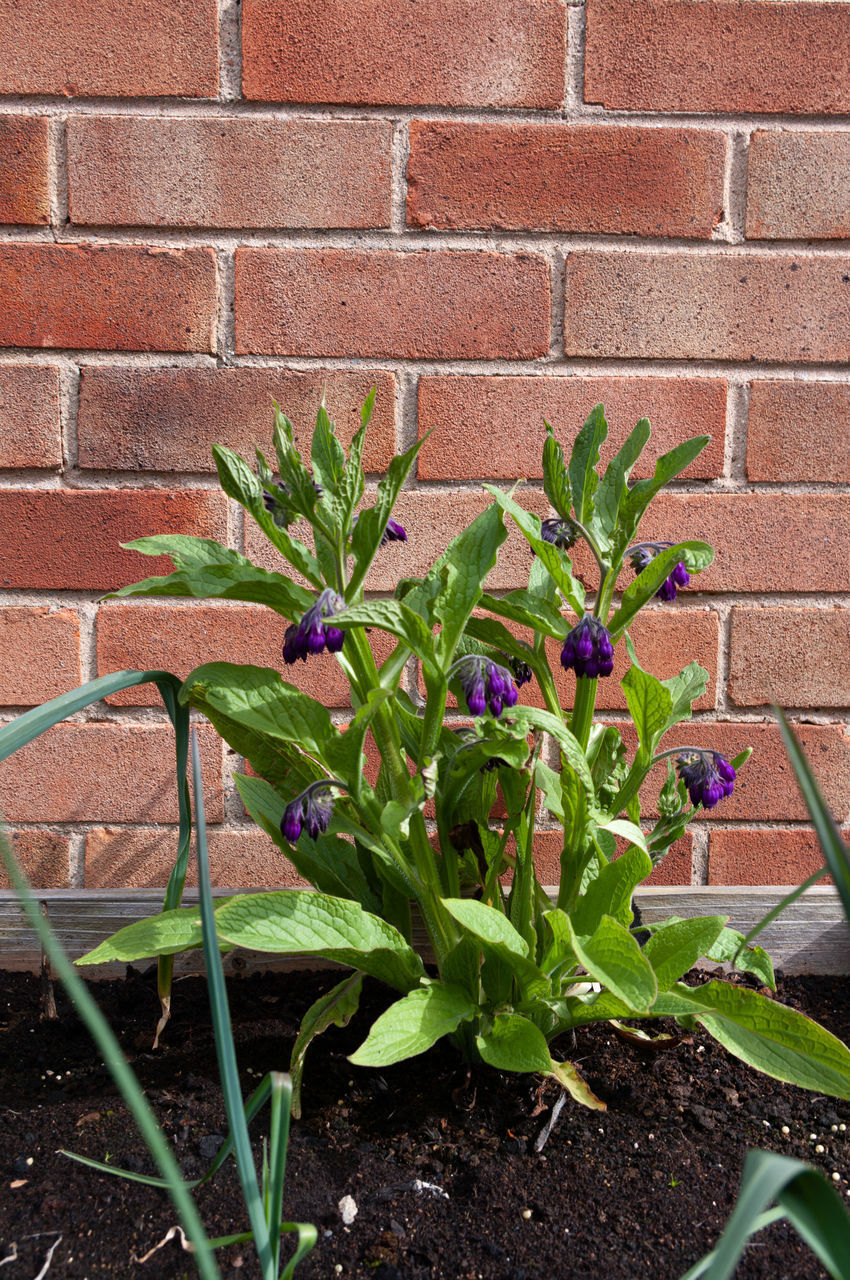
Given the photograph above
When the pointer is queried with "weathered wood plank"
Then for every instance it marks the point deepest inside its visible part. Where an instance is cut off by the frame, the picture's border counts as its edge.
(810, 936)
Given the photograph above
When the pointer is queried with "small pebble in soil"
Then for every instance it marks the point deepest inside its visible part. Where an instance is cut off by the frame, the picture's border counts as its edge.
(820, 1148)
(785, 1130)
(526, 1213)
(836, 1176)
(842, 1128)
(347, 1210)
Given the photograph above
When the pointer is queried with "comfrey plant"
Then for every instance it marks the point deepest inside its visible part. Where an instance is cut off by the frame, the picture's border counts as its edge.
(513, 969)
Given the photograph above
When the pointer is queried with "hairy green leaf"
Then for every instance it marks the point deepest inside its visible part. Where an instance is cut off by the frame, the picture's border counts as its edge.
(413, 1024)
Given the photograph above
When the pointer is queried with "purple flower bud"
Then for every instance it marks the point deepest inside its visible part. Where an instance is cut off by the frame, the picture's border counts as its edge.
(588, 649)
(520, 670)
(644, 553)
(708, 776)
(485, 685)
(310, 812)
(394, 532)
(561, 533)
(312, 634)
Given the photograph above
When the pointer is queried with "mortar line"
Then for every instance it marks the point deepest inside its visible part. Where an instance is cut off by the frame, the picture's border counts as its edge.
(580, 113)
(574, 63)
(230, 51)
(57, 174)
(399, 158)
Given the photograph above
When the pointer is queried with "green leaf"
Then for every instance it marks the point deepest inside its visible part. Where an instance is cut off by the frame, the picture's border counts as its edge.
(614, 488)
(486, 923)
(694, 555)
(413, 1024)
(776, 1040)
(334, 1009)
(528, 610)
(372, 522)
(753, 960)
(675, 948)
(301, 922)
(527, 719)
(611, 956)
(668, 466)
(803, 1195)
(515, 1044)
(626, 831)
(684, 689)
(260, 699)
(556, 562)
(206, 570)
(649, 705)
(163, 935)
(583, 460)
(326, 454)
(556, 480)
(500, 939)
(395, 617)
(465, 564)
(240, 483)
(610, 893)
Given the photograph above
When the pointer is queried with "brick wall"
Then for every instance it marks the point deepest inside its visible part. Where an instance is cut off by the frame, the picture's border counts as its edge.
(492, 209)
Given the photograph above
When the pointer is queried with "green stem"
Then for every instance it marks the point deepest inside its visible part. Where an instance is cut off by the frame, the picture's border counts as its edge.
(540, 667)
(583, 708)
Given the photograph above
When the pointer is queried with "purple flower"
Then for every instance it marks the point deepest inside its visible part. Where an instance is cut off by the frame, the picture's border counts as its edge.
(311, 811)
(588, 649)
(708, 776)
(560, 532)
(394, 532)
(520, 670)
(312, 634)
(485, 685)
(643, 553)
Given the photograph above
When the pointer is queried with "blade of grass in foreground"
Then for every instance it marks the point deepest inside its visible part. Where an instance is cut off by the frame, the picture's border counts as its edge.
(119, 1068)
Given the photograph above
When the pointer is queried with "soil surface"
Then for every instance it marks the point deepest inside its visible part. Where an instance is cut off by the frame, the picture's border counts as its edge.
(441, 1164)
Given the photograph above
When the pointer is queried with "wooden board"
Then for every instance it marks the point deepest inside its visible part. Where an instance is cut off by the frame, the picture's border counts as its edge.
(810, 936)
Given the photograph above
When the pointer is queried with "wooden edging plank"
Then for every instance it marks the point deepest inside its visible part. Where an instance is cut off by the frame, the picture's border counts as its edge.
(810, 936)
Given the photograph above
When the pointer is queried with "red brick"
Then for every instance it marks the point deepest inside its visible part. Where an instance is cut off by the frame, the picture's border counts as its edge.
(718, 55)
(43, 858)
(763, 856)
(104, 772)
(798, 185)
(42, 647)
(24, 192)
(179, 637)
(169, 419)
(29, 411)
(139, 171)
(794, 657)
(766, 789)
(110, 50)
(799, 431)
(119, 858)
(433, 304)
(507, 53)
(468, 415)
(115, 297)
(558, 177)
(708, 306)
(69, 539)
(763, 541)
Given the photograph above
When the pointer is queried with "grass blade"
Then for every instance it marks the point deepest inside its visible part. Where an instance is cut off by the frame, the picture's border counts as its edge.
(115, 1061)
(279, 1140)
(224, 1036)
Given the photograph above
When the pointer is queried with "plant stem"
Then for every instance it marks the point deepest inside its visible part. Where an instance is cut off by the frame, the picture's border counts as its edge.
(583, 708)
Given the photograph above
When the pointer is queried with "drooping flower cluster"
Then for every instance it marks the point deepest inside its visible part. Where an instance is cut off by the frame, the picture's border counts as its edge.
(588, 649)
(520, 670)
(312, 634)
(394, 532)
(276, 501)
(485, 685)
(708, 776)
(311, 811)
(560, 532)
(643, 553)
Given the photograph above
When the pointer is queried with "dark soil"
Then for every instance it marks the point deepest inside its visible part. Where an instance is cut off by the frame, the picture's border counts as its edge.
(641, 1190)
